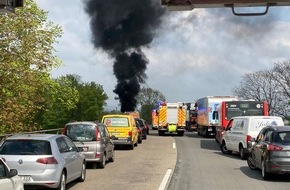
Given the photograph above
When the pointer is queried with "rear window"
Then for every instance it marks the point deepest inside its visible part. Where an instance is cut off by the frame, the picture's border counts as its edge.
(282, 138)
(116, 122)
(81, 132)
(139, 122)
(25, 147)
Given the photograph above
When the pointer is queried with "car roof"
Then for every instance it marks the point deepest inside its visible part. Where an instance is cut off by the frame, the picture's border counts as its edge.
(279, 128)
(34, 136)
(257, 116)
(84, 122)
(118, 115)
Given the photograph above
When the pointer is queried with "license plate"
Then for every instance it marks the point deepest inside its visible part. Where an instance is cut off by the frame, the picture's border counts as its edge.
(85, 149)
(209, 129)
(26, 178)
(115, 133)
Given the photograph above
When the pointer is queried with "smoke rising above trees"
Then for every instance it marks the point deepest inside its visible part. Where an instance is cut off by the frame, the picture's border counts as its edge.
(122, 28)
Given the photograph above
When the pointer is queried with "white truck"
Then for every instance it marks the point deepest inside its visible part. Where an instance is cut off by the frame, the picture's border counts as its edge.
(207, 117)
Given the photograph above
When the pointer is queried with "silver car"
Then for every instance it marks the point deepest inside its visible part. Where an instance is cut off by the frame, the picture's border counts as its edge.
(9, 180)
(94, 139)
(44, 160)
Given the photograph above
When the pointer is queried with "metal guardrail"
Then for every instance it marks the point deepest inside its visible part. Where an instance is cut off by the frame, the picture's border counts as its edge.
(51, 131)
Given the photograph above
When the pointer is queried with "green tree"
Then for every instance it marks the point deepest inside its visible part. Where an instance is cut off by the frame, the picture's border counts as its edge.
(92, 99)
(26, 50)
(60, 99)
(148, 99)
(149, 96)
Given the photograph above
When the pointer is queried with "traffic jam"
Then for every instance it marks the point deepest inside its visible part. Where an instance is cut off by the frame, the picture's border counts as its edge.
(42, 159)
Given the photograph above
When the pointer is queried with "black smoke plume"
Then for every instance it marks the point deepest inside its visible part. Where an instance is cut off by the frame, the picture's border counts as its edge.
(122, 28)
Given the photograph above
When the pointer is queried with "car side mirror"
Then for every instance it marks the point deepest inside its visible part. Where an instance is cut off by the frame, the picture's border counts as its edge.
(12, 172)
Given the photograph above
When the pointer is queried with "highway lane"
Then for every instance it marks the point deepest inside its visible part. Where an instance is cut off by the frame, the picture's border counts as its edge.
(140, 169)
(202, 166)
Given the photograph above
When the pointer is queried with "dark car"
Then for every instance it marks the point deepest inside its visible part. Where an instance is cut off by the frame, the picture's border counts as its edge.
(271, 151)
(140, 136)
(143, 128)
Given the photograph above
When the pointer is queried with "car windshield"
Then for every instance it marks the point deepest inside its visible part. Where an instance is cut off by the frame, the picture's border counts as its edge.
(282, 138)
(81, 132)
(116, 122)
(25, 147)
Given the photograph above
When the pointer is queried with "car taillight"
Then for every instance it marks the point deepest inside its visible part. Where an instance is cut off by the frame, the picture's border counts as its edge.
(98, 136)
(98, 155)
(130, 133)
(48, 160)
(274, 147)
(249, 138)
(63, 131)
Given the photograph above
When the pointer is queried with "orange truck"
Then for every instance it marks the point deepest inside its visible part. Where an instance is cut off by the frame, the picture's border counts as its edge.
(135, 114)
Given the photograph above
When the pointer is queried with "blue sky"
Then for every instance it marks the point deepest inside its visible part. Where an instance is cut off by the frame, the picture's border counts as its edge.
(195, 53)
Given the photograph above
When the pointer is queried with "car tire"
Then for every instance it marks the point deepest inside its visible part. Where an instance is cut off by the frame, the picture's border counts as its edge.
(112, 159)
(265, 174)
(140, 140)
(131, 146)
(83, 173)
(251, 163)
(103, 163)
(180, 133)
(242, 153)
(145, 137)
(224, 148)
(136, 144)
(62, 182)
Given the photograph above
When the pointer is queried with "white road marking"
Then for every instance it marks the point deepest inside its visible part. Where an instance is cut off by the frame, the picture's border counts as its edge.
(165, 180)
(173, 145)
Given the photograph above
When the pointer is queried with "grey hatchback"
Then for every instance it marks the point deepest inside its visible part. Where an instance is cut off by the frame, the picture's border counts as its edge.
(271, 151)
(44, 160)
(94, 139)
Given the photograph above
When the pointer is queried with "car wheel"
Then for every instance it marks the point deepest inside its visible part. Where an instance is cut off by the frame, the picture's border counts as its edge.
(62, 182)
(131, 147)
(265, 174)
(224, 148)
(112, 159)
(83, 173)
(136, 144)
(103, 163)
(242, 153)
(140, 140)
(251, 163)
(145, 137)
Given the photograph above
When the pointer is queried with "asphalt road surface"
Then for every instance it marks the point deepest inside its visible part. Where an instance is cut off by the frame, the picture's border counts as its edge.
(143, 168)
(196, 164)
(202, 166)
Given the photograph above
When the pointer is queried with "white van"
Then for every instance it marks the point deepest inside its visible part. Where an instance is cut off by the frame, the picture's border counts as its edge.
(240, 131)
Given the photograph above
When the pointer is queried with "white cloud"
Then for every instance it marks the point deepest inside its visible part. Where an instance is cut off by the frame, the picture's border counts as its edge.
(195, 54)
